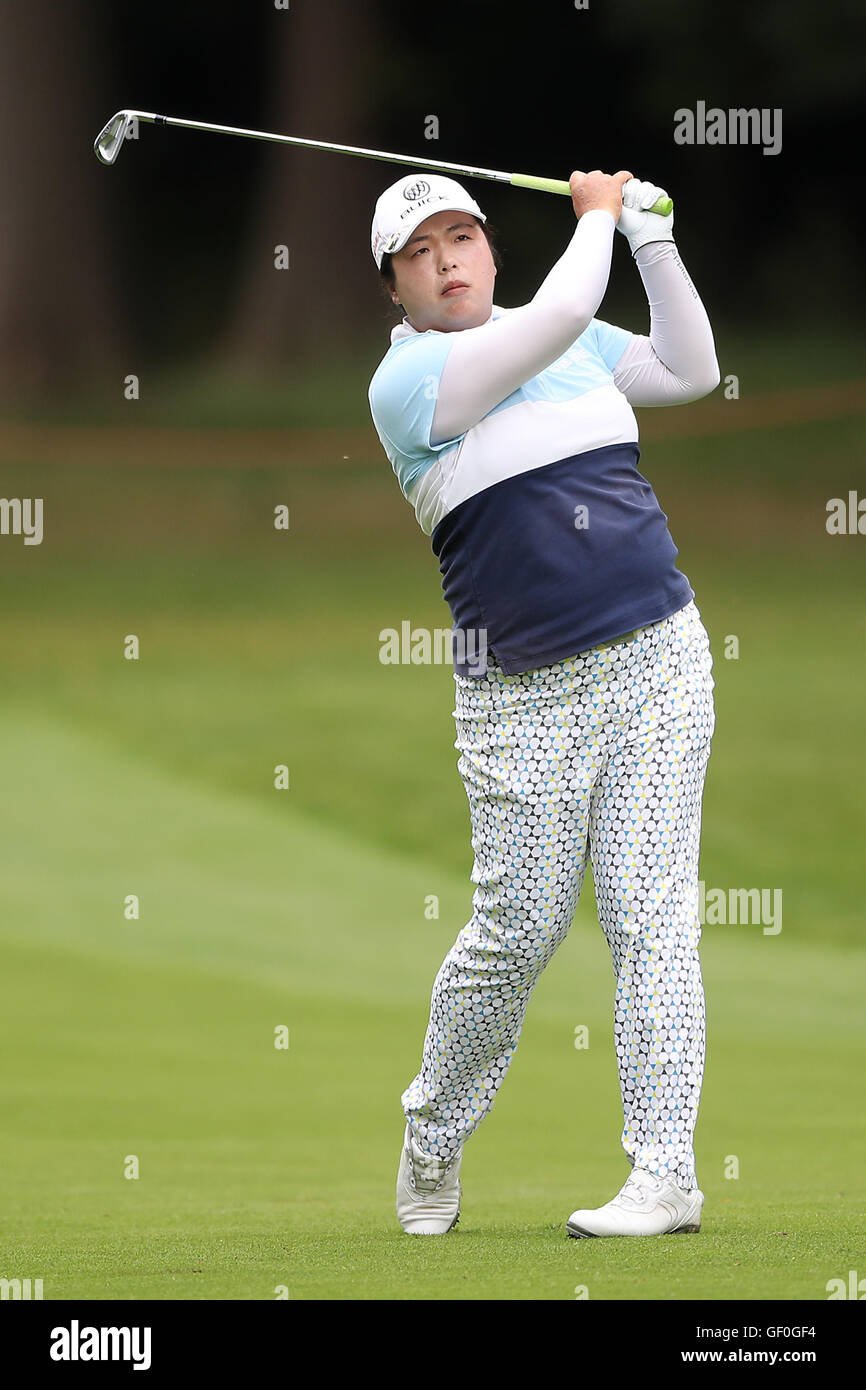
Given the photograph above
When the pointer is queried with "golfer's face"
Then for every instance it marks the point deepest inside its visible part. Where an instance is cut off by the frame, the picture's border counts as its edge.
(445, 272)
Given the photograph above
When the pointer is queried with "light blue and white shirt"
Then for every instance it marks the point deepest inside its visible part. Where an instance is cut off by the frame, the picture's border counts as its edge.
(549, 538)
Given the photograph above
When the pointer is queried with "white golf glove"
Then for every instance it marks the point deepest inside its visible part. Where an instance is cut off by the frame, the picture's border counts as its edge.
(636, 223)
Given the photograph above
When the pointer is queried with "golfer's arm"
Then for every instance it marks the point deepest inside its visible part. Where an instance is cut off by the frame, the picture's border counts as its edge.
(677, 362)
(485, 364)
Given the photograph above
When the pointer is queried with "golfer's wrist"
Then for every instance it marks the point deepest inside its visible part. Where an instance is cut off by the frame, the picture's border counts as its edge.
(651, 251)
(596, 213)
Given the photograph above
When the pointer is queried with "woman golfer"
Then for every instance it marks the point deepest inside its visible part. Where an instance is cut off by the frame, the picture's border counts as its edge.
(584, 689)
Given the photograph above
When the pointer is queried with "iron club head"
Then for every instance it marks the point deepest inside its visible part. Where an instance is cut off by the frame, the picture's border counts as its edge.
(111, 137)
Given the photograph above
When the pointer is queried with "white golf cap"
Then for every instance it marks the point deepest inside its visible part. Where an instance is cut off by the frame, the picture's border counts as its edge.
(408, 202)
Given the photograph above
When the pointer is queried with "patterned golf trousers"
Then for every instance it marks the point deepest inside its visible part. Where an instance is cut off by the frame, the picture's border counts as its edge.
(600, 757)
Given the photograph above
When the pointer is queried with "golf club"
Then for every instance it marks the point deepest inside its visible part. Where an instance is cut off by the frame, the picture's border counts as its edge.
(111, 137)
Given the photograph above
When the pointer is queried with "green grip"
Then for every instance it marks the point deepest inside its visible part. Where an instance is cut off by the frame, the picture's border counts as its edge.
(662, 207)
(544, 185)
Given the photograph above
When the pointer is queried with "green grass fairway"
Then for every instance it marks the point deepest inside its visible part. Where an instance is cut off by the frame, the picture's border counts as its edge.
(262, 1168)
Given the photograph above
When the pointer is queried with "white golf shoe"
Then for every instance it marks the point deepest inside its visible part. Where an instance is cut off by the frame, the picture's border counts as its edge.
(645, 1205)
(428, 1191)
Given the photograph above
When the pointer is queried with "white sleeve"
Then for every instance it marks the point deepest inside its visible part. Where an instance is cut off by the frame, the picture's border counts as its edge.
(677, 362)
(486, 364)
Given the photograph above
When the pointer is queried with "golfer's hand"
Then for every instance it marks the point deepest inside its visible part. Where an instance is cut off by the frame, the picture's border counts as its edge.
(636, 222)
(598, 190)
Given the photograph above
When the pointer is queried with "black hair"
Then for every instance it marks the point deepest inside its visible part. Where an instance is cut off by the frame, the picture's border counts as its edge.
(388, 280)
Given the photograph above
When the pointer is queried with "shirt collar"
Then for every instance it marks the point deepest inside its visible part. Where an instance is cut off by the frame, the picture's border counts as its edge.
(405, 329)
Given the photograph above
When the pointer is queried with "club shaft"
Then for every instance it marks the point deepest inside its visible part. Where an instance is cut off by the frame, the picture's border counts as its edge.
(440, 164)
(545, 185)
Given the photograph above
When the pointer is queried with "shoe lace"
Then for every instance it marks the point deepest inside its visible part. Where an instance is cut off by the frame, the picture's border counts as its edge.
(639, 1184)
(427, 1172)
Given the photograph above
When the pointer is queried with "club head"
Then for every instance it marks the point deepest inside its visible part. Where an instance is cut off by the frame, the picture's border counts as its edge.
(111, 137)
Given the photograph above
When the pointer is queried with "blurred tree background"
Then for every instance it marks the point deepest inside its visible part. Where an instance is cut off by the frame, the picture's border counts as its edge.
(166, 262)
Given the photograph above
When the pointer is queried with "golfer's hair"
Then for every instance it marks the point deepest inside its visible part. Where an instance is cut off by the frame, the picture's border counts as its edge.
(387, 278)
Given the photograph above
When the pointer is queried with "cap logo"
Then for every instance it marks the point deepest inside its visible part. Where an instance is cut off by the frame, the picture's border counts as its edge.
(416, 190)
